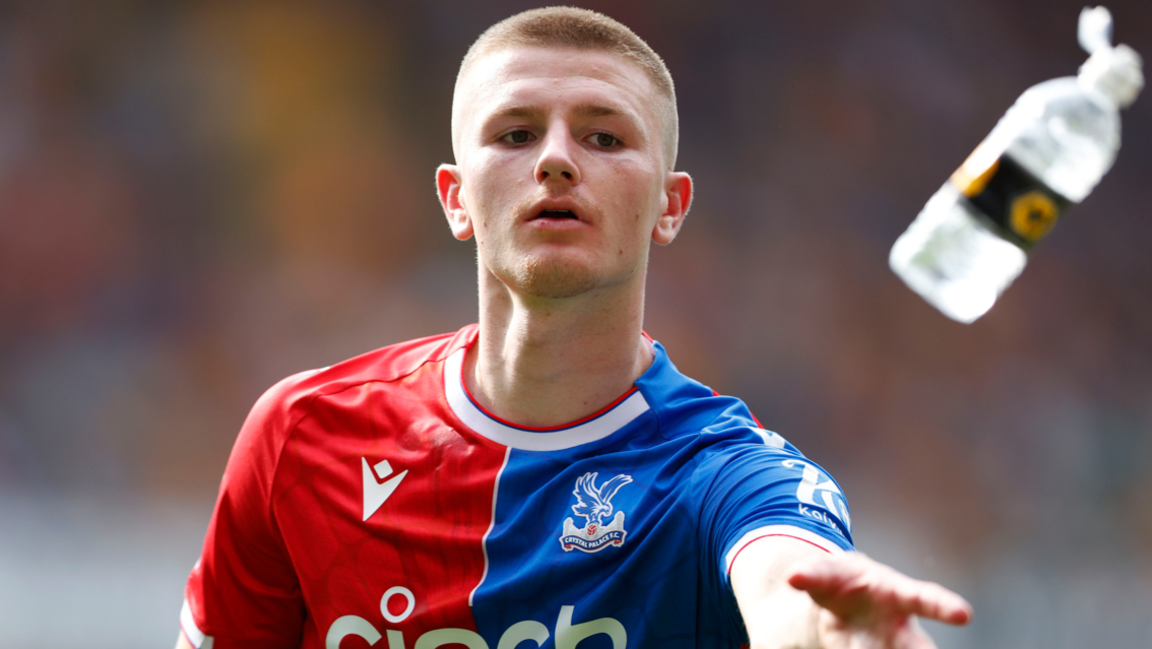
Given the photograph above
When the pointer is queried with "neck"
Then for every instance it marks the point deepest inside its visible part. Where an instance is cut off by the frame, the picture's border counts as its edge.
(546, 362)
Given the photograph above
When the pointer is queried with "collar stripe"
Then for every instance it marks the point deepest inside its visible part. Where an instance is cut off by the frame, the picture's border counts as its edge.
(596, 428)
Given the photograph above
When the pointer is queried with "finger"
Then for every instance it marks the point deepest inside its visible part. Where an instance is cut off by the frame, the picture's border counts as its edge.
(930, 600)
(898, 593)
(849, 583)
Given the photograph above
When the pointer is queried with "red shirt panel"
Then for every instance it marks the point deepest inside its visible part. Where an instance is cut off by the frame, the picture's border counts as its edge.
(288, 552)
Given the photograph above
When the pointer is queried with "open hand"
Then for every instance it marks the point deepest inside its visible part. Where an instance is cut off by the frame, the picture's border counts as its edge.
(868, 605)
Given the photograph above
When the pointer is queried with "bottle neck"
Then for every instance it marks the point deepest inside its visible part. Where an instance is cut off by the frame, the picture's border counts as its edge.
(1115, 73)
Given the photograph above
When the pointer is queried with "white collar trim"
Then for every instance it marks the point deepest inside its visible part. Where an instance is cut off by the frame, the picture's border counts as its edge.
(590, 431)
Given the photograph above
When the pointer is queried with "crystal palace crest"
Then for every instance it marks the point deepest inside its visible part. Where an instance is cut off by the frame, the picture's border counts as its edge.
(594, 504)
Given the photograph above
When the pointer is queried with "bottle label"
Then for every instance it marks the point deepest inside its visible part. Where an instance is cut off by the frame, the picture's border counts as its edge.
(1023, 207)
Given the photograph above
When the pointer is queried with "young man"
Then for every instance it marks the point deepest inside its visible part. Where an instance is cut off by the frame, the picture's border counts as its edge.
(545, 477)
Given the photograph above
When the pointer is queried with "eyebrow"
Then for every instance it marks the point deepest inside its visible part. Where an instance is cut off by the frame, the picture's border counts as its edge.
(580, 110)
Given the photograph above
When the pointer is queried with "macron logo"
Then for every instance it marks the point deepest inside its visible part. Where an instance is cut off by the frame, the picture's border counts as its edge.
(375, 492)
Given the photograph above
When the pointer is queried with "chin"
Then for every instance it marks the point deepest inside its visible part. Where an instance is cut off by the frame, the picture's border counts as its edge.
(553, 279)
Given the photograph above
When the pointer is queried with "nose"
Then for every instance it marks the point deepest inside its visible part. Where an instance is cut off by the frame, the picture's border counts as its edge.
(557, 161)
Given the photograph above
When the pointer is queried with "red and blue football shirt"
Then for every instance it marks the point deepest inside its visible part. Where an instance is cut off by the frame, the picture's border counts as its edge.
(375, 504)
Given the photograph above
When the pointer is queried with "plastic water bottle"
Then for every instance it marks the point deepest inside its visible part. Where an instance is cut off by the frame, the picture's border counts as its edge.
(1049, 150)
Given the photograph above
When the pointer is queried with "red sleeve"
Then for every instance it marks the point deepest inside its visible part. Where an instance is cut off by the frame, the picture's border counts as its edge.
(244, 591)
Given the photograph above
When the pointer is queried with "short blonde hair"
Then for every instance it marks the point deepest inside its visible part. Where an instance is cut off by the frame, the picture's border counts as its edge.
(581, 29)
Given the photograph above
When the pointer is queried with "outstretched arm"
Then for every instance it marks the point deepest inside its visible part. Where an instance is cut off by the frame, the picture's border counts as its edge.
(792, 594)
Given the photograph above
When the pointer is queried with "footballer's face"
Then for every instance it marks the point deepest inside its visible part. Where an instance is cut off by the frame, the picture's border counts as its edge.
(561, 170)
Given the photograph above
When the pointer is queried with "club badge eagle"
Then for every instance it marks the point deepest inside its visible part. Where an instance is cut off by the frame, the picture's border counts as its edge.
(594, 504)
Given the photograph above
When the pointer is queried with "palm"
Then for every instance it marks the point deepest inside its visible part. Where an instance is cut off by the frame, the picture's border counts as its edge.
(867, 605)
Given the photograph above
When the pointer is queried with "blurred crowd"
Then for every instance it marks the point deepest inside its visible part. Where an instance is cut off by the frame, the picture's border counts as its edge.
(200, 198)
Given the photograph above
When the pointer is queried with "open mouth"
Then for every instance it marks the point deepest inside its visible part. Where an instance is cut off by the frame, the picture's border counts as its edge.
(557, 214)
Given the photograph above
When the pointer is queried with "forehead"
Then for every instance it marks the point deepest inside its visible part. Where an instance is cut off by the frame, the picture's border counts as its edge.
(510, 63)
(552, 76)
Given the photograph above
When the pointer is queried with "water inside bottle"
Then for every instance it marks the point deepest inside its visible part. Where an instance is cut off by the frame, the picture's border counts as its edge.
(953, 260)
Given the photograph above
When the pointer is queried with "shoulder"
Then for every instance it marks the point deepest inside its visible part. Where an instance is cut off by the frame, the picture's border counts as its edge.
(723, 439)
(726, 437)
(722, 426)
(280, 409)
(384, 365)
(686, 408)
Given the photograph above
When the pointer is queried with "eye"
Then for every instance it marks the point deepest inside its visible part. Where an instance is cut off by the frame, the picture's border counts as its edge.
(517, 137)
(605, 140)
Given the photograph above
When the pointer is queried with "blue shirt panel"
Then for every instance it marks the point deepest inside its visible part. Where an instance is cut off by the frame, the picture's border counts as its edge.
(691, 477)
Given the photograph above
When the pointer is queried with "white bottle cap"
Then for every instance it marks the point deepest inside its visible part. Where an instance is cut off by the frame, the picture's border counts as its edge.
(1115, 72)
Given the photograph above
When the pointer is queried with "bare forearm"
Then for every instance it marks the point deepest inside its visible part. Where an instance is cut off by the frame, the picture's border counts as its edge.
(776, 615)
(791, 623)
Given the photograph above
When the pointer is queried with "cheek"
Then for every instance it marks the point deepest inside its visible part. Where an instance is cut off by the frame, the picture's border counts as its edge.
(493, 190)
(637, 177)
(640, 201)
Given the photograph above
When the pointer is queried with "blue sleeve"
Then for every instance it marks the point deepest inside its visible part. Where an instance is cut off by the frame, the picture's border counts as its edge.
(757, 489)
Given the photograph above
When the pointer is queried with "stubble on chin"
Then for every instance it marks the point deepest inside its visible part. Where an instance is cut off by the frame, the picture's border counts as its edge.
(551, 278)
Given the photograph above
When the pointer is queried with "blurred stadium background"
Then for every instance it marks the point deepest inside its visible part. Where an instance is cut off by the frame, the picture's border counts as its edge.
(199, 198)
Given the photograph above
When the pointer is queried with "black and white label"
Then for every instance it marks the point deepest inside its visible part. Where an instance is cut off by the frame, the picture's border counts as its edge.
(1023, 207)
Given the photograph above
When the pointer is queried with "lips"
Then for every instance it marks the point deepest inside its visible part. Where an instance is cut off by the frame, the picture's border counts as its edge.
(557, 212)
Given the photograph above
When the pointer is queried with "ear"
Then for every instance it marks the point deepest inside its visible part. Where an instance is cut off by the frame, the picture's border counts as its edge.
(448, 188)
(677, 197)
